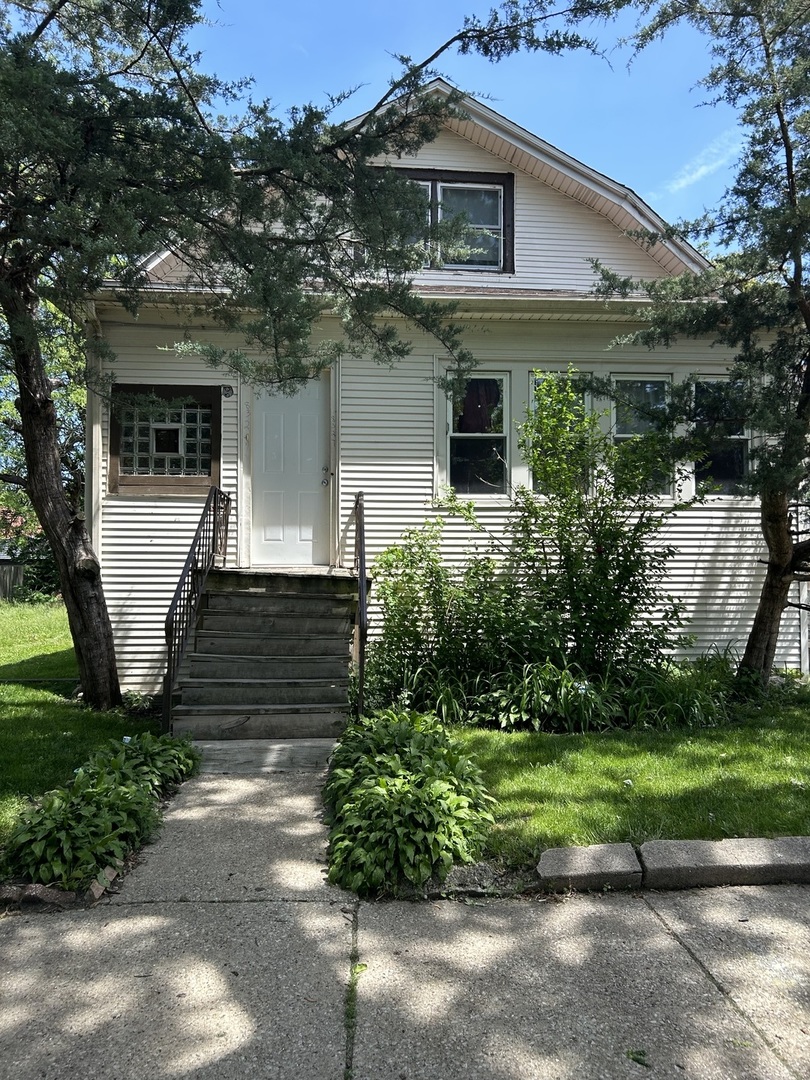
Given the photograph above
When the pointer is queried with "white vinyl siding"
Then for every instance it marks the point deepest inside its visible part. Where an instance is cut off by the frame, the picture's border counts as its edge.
(392, 423)
(145, 538)
(555, 236)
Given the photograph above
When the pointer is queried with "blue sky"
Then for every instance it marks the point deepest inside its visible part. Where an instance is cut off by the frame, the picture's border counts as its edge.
(644, 126)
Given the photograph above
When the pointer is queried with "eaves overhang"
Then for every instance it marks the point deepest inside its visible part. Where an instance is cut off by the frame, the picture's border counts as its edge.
(533, 156)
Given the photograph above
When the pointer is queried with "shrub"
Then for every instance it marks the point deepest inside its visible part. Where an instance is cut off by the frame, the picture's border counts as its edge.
(571, 629)
(110, 808)
(40, 574)
(404, 804)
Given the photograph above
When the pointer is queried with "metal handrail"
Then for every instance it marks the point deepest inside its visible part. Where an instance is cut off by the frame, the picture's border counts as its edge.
(207, 549)
(358, 518)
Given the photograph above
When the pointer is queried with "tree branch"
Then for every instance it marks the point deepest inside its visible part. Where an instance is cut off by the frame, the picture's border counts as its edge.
(37, 33)
(14, 480)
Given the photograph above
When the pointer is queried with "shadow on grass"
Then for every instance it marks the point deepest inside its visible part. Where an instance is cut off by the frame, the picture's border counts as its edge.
(44, 737)
(57, 668)
(749, 779)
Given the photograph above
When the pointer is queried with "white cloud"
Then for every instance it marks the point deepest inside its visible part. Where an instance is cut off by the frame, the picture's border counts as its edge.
(719, 153)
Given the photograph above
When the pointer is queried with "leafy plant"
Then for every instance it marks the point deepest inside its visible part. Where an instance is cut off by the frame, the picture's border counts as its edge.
(567, 626)
(70, 835)
(404, 803)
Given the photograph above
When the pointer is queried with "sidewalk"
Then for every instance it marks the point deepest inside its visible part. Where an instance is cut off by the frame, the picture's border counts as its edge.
(225, 955)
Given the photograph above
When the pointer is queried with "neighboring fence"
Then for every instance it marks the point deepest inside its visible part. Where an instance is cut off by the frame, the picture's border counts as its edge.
(11, 578)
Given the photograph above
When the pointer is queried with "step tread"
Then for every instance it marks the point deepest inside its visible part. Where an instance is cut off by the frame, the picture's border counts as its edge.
(236, 658)
(239, 710)
(285, 594)
(323, 680)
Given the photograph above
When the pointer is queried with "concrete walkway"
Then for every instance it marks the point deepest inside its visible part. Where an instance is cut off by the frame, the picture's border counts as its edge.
(225, 955)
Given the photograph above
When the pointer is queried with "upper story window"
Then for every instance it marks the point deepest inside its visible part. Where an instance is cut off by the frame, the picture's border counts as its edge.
(478, 451)
(487, 203)
(157, 447)
(725, 466)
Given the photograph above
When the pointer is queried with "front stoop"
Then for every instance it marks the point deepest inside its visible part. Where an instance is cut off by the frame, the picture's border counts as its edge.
(270, 656)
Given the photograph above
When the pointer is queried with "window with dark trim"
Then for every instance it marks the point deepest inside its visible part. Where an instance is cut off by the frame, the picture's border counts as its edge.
(157, 447)
(478, 451)
(725, 466)
(487, 201)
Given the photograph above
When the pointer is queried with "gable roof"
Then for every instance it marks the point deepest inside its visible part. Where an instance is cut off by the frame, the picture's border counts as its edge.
(522, 150)
(627, 211)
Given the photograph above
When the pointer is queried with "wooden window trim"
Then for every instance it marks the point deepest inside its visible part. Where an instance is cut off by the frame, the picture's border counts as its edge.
(119, 483)
(505, 181)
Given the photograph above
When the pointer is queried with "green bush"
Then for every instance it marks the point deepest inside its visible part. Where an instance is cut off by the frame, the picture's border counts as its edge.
(159, 763)
(570, 629)
(40, 573)
(110, 808)
(404, 804)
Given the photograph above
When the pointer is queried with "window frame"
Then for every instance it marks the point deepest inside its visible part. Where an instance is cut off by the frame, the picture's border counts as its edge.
(587, 406)
(668, 490)
(745, 438)
(140, 484)
(505, 182)
(505, 434)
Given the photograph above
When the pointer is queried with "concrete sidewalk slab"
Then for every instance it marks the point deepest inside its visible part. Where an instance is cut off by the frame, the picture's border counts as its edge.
(214, 992)
(755, 942)
(236, 838)
(586, 989)
(684, 864)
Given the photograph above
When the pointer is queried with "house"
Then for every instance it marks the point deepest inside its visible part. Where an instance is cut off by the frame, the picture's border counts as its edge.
(293, 466)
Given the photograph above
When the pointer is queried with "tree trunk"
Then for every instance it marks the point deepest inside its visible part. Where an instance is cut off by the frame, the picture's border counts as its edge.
(79, 570)
(760, 648)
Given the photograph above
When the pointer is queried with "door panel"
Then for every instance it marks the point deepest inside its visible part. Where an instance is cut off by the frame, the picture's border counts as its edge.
(290, 464)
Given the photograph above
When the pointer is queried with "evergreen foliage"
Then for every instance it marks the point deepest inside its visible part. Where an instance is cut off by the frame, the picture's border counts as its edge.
(112, 150)
(754, 299)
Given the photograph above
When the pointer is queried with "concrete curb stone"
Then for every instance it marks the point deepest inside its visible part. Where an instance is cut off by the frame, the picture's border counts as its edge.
(684, 864)
(677, 864)
(600, 866)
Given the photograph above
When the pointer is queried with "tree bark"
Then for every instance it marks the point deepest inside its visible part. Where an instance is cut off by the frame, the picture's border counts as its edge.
(79, 570)
(760, 649)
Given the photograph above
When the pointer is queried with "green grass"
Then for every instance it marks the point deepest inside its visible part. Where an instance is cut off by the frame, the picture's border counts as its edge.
(751, 778)
(35, 643)
(43, 735)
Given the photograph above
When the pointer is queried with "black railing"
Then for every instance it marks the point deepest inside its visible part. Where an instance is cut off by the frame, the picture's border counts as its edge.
(207, 550)
(357, 518)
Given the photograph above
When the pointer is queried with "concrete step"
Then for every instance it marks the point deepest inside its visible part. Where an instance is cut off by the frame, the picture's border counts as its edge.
(246, 692)
(335, 581)
(259, 722)
(219, 666)
(294, 625)
(226, 643)
(313, 604)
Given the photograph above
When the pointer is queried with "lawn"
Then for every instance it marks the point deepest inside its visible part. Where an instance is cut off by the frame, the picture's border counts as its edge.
(44, 735)
(751, 778)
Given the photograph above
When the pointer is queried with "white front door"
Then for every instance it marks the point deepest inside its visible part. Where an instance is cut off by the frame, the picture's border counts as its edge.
(291, 477)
